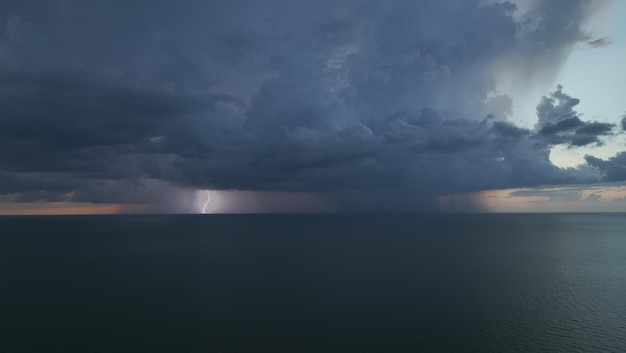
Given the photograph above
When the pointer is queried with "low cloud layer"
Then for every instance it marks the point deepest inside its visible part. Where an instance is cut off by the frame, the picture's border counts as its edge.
(384, 106)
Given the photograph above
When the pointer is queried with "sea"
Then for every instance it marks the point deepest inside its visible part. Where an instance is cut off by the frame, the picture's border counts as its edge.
(313, 283)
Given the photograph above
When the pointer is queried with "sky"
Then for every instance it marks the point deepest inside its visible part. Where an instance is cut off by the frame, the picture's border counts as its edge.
(312, 106)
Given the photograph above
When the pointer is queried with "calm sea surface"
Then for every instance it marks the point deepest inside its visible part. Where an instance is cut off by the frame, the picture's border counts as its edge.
(314, 283)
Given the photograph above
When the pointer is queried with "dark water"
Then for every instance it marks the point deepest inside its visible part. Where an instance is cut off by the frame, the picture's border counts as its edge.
(368, 283)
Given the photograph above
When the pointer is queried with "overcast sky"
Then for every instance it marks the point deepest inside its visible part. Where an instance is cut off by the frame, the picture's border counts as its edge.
(342, 105)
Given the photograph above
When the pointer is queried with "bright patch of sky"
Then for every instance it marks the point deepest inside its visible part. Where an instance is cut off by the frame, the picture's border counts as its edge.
(597, 78)
(593, 75)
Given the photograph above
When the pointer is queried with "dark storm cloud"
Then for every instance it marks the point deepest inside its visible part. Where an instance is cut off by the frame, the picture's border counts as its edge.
(66, 110)
(595, 128)
(11, 182)
(613, 169)
(86, 126)
(393, 99)
(566, 124)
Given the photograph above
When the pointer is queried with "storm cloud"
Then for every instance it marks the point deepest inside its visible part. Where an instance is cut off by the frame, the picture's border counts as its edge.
(559, 123)
(613, 169)
(394, 100)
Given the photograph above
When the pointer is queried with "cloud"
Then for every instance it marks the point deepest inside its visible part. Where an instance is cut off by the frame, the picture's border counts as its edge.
(359, 99)
(593, 197)
(555, 195)
(559, 123)
(599, 42)
(547, 32)
(613, 169)
(597, 197)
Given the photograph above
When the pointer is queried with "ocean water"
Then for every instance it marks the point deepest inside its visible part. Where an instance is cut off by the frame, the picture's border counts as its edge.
(313, 283)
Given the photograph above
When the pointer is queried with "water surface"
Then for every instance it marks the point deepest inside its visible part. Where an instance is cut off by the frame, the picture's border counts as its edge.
(313, 283)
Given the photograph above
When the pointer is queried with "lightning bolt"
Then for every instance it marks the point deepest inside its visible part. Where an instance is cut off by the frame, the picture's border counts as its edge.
(208, 198)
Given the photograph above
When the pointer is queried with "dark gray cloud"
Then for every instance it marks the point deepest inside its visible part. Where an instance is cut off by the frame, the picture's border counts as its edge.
(559, 123)
(595, 128)
(566, 124)
(599, 42)
(352, 98)
(613, 169)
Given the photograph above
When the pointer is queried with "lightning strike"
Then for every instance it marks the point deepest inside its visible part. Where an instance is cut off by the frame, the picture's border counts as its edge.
(208, 199)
